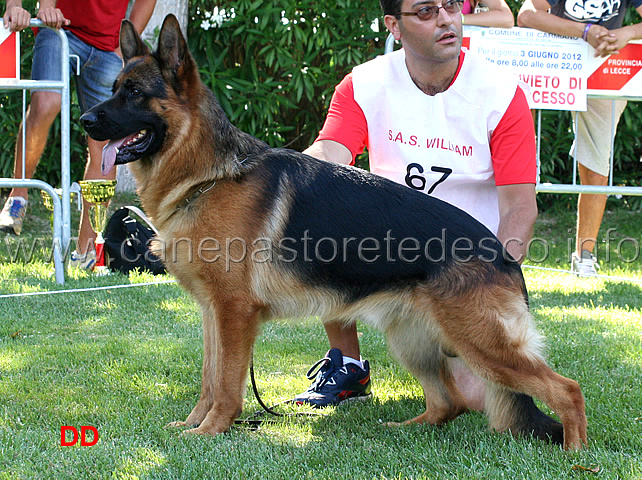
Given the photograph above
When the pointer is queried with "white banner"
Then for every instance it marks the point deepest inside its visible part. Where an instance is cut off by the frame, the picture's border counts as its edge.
(554, 67)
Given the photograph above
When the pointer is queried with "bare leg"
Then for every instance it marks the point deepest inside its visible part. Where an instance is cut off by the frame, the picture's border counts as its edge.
(42, 112)
(343, 337)
(590, 210)
(471, 386)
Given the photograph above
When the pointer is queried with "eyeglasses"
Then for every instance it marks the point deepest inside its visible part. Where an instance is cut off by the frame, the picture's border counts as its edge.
(429, 12)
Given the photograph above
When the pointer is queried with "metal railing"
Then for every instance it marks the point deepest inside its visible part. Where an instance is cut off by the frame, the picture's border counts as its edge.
(61, 204)
(574, 187)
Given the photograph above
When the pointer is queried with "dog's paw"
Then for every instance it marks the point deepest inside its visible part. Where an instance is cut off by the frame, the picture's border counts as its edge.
(393, 424)
(180, 424)
(203, 431)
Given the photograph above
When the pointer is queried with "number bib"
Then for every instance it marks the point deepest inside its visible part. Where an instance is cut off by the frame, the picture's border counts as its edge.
(438, 145)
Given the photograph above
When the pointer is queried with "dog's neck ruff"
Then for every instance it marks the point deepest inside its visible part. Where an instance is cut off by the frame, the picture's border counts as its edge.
(204, 187)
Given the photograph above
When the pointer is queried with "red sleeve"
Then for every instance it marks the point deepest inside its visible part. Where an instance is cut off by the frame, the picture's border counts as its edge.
(512, 144)
(345, 122)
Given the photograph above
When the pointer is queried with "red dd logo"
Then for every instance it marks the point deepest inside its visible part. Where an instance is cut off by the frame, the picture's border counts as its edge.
(65, 442)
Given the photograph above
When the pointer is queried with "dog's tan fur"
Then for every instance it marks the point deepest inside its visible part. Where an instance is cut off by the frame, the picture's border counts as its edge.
(471, 310)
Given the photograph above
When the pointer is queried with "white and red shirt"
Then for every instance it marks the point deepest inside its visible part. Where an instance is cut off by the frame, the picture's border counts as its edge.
(458, 145)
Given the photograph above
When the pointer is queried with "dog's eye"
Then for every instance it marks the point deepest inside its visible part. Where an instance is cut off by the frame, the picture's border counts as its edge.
(134, 92)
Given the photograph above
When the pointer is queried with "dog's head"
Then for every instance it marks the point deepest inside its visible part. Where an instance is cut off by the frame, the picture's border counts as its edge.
(133, 119)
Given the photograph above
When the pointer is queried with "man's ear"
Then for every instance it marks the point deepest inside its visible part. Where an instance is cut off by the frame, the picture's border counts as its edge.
(392, 24)
(131, 45)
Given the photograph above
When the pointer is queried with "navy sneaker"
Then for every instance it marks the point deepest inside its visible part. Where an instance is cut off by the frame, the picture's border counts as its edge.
(335, 382)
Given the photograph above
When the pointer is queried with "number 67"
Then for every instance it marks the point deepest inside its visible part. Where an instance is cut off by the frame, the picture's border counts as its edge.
(411, 179)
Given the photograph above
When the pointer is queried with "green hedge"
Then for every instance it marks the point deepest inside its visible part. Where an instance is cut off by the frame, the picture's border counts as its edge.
(274, 64)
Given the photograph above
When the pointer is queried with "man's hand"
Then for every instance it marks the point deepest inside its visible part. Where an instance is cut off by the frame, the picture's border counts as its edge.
(616, 40)
(16, 18)
(600, 38)
(52, 17)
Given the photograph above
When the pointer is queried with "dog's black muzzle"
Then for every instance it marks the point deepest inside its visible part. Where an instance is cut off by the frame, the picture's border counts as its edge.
(93, 121)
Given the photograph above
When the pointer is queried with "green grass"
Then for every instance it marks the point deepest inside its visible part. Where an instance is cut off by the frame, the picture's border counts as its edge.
(127, 361)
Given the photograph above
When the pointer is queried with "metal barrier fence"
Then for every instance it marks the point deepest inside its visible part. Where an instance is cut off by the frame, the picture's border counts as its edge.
(61, 204)
(574, 187)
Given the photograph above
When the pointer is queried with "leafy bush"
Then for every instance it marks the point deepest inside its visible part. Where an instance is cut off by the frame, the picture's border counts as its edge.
(274, 65)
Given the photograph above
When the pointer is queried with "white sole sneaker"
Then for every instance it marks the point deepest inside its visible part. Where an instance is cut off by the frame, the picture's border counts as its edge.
(584, 267)
(83, 262)
(12, 215)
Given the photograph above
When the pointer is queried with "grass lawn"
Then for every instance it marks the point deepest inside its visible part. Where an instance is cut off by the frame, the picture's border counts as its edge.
(127, 361)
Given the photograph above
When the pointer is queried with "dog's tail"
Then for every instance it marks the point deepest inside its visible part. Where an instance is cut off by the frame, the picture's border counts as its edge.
(517, 412)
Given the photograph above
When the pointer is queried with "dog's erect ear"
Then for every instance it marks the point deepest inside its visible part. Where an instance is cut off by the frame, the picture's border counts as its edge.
(131, 45)
(172, 47)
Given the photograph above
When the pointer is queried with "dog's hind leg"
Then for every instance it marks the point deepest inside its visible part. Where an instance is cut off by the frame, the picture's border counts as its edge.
(495, 336)
(226, 361)
(517, 412)
(412, 343)
(508, 409)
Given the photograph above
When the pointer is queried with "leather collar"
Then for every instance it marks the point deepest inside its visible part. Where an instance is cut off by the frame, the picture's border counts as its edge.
(200, 190)
(204, 187)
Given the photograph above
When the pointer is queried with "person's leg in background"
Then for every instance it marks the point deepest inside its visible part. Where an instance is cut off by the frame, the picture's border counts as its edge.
(97, 74)
(593, 130)
(43, 108)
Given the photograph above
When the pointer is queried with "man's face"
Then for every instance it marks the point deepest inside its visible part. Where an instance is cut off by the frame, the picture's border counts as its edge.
(437, 39)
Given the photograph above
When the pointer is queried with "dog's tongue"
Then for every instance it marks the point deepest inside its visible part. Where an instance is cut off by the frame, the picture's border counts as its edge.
(109, 155)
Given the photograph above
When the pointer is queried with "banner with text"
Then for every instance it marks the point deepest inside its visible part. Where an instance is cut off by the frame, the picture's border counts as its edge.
(618, 75)
(554, 67)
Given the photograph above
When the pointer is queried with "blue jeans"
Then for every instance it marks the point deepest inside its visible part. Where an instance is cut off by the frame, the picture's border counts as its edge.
(98, 68)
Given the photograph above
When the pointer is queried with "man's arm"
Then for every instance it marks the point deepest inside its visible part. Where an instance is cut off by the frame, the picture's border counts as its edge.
(498, 15)
(622, 36)
(141, 13)
(17, 18)
(51, 16)
(517, 215)
(330, 151)
(534, 14)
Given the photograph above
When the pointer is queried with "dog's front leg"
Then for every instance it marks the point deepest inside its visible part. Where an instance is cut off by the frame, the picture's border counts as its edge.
(207, 383)
(234, 330)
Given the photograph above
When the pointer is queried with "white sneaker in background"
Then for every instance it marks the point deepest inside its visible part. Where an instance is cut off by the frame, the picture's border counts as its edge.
(13, 215)
(584, 266)
(84, 262)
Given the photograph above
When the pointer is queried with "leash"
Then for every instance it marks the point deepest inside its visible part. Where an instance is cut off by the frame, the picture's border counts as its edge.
(253, 421)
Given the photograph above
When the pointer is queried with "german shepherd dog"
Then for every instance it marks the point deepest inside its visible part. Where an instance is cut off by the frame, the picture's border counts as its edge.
(256, 233)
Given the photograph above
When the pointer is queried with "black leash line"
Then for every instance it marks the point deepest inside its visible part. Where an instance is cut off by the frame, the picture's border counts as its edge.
(256, 423)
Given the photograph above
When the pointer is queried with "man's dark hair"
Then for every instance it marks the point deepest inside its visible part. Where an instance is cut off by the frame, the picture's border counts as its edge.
(390, 7)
